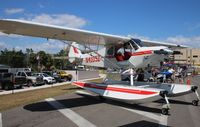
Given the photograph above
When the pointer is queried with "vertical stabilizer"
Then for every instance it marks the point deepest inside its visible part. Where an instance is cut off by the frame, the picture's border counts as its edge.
(74, 52)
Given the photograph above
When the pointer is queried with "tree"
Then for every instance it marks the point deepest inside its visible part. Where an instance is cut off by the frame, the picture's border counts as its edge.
(12, 58)
(45, 60)
(63, 62)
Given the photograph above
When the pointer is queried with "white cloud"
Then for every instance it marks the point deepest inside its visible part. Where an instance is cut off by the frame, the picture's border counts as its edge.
(10, 35)
(138, 36)
(55, 19)
(50, 46)
(67, 20)
(194, 27)
(193, 41)
(2, 45)
(14, 10)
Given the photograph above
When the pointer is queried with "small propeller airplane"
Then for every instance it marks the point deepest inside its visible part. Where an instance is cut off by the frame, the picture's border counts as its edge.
(117, 52)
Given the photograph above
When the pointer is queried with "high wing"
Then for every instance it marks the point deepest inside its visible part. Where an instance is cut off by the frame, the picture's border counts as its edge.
(21, 27)
(156, 43)
(12, 26)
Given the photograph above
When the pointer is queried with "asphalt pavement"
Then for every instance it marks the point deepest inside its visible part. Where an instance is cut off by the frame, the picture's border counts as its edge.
(71, 110)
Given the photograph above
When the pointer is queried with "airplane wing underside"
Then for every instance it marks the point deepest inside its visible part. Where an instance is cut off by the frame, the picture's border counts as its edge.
(57, 32)
(28, 28)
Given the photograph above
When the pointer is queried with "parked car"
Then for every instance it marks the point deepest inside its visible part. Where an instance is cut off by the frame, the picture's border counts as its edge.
(64, 75)
(53, 74)
(31, 80)
(10, 81)
(47, 78)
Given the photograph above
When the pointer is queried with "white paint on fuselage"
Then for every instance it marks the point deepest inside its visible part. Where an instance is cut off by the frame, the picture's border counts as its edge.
(135, 61)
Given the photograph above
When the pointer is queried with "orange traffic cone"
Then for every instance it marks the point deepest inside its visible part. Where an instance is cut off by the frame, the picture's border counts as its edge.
(188, 82)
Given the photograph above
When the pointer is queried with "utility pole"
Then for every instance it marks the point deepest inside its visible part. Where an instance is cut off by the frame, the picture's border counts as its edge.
(38, 59)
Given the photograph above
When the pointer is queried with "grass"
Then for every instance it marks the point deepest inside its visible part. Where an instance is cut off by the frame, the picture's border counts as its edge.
(23, 98)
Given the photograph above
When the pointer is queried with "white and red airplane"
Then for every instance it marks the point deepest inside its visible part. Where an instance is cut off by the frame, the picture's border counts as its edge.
(116, 52)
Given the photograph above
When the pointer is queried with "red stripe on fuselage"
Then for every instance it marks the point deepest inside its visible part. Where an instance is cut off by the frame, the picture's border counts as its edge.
(147, 52)
(142, 53)
(123, 90)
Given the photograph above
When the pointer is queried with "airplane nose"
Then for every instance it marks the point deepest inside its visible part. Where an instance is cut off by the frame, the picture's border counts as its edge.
(169, 51)
(163, 51)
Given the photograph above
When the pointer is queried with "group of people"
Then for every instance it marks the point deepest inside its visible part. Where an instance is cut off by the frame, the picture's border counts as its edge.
(162, 74)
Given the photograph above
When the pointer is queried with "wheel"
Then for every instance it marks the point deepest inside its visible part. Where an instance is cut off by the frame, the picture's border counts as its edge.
(20, 87)
(165, 111)
(29, 83)
(45, 82)
(195, 102)
(6, 87)
(69, 77)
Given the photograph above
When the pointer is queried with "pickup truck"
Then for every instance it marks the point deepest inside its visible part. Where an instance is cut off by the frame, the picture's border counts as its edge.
(10, 81)
(31, 80)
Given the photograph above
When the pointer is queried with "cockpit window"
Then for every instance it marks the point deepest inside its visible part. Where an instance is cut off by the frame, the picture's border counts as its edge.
(111, 50)
(138, 42)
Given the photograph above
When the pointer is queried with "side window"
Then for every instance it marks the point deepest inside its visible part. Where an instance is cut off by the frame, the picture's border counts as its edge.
(19, 73)
(135, 47)
(110, 51)
(22, 74)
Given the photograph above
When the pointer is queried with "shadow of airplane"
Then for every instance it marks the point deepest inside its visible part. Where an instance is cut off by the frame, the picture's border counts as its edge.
(68, 103)
(172, 101)
(85, 101)
(143, 123)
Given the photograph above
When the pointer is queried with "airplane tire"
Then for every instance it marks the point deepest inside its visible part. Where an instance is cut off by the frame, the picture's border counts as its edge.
(165, 111)
(195, 102)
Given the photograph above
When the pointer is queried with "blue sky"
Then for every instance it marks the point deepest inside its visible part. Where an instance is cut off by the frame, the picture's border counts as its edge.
(173, 21)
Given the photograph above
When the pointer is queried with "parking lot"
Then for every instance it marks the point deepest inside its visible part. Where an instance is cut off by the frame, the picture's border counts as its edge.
(78, 110)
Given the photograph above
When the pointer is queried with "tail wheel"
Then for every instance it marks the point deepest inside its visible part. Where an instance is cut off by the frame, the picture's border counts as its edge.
(195, 102)
(165, 111)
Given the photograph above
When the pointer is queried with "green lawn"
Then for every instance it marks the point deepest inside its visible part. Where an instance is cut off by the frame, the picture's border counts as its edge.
(23, 98)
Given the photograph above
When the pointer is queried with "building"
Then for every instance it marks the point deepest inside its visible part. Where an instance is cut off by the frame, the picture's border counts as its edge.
(188, 56)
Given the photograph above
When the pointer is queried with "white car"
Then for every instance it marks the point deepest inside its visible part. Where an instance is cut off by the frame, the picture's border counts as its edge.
(47, 79)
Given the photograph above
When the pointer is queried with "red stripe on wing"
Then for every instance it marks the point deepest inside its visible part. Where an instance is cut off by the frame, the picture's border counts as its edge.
(123, 90)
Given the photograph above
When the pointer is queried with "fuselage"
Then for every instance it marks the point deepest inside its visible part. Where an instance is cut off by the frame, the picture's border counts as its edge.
(119, 56)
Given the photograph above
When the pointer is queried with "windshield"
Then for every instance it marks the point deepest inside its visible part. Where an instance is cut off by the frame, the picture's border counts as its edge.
(62, 72)
(28, 73)
(45, 75)
(138, 42)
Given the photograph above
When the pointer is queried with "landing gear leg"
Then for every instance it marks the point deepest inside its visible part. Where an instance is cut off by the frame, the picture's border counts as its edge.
(131, 77)
(165, 107)
(195, 102)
